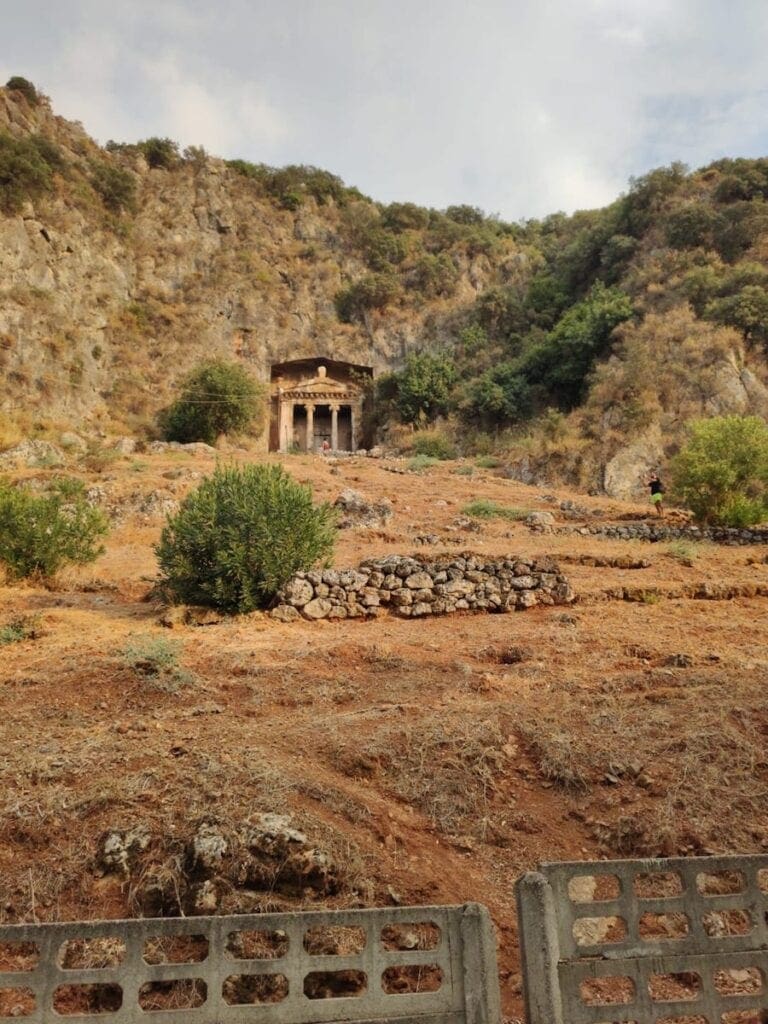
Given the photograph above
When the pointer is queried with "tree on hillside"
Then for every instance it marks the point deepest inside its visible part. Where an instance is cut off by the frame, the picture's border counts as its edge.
(216, 398)
(423, 387)
(560, 365)
(722, 472)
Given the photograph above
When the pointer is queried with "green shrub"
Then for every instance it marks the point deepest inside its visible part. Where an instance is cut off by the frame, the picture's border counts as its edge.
(20, 627)
(40, 534)
(26, 169)
(216, 398)
(159, 152)
(433, 443)
(18, 84)
(434, 275)
(374, 291)
(722, 472)
(483, 508)
(116, 186)
(464, 471)
(487, 462)
(683, 551)
(155, 660)
(421, 462)
(240, 535)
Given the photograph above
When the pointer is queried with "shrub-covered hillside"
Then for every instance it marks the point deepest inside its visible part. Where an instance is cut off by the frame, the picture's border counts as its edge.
(581, 343)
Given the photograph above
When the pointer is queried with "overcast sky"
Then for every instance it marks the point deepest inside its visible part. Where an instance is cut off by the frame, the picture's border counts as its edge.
(521, 107)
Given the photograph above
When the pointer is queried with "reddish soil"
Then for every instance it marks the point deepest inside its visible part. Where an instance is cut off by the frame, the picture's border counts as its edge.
(431, 763)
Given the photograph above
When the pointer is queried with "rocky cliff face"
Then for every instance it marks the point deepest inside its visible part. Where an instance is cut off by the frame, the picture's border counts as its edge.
(101, 314)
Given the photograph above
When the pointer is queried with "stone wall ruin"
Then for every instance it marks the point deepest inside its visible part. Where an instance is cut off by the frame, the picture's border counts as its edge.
(414, 587)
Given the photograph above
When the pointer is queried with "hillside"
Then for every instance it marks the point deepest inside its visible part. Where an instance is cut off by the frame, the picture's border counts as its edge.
(117, 276)
(579, 346)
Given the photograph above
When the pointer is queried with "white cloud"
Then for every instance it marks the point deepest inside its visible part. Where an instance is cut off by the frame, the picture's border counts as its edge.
(521, 108)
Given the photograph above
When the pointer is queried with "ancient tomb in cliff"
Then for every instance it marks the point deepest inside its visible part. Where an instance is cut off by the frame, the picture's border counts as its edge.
(317, 402)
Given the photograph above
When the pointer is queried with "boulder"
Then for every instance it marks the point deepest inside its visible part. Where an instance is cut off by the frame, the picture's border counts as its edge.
(357, 510)
(34, 454)
(318, 608)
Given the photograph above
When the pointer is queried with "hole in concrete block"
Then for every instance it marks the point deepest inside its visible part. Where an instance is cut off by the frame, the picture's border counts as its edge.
(720, 883)
(91, 954)
(87, 1000)
(671, 988)
(762, 880)
(335, 984)
(176, 949)
(594, 931)
(697, 1019)
(593, 888)
(416, 935)
(755, 1016)
(257, 944)
(739, 981)
(182, 994)
(17, 1002)
(609, 991)
(722, 923)
(334, 940)
(19, 956)
(663, 926)
(245, 989)
(411, 978)
(658, 885)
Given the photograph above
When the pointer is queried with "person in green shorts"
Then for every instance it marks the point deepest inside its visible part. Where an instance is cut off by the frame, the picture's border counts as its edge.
(657, 493)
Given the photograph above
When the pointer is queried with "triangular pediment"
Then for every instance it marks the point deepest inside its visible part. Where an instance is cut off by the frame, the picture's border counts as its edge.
(320, 386)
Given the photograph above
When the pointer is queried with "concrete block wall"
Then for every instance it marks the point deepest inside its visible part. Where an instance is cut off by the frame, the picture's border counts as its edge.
(646, 941)
(431, 964)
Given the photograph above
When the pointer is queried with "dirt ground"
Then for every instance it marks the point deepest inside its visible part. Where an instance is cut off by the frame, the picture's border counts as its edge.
(434, 760)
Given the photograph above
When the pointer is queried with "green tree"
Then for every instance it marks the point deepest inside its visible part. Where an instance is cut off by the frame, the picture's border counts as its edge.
(434, 275)
(240, 536)
(499, 397)
(39, 534)
(722, 472)
(424, 387)
(217, 397)
(560, 364)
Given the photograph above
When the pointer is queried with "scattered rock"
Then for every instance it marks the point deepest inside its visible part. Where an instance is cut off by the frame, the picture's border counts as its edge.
(33, 454)
(356, 510)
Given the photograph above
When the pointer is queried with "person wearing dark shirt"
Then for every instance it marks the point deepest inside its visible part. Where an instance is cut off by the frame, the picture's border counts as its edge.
(657, 493)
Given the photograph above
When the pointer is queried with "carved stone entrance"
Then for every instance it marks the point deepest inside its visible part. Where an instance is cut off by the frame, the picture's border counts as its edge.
(319, 412)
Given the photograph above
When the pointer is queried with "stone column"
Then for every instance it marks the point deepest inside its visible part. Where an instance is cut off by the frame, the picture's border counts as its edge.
(334, 427)
(353, 431)
(310, 407)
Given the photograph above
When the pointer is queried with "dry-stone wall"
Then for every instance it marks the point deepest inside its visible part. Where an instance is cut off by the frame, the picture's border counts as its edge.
(651, 531)
(413, 587)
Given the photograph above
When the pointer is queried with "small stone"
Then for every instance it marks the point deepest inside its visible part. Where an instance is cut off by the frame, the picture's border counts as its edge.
(285, 613)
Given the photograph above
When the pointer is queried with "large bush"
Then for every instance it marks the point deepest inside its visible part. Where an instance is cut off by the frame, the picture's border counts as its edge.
(240, 535)
(216, 398)
(115, 185)
(39, 534)
(722, 472)
(374, 291)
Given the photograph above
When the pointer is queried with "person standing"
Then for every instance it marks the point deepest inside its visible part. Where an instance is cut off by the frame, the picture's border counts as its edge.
(657, 493)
